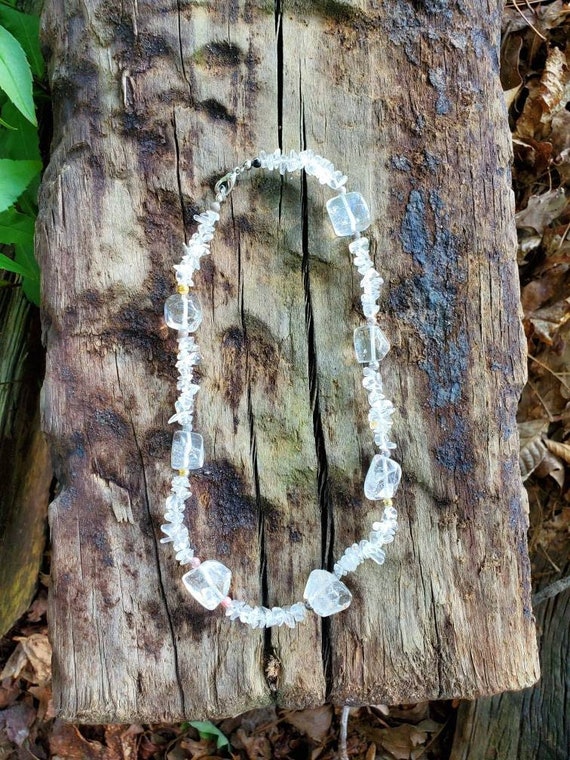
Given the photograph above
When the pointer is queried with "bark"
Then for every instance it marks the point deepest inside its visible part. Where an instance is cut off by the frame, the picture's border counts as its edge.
(530, 724)
(25, 464)
(152, 102)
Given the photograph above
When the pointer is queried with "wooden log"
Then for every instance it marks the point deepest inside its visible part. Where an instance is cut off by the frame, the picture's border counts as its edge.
(154, 101)
(530, 724)
(25, 465)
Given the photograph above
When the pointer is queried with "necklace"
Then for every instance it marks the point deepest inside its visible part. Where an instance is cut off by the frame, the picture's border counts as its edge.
(209, 581)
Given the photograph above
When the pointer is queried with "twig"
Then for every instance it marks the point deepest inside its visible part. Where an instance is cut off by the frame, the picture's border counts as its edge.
(557, 375)
(534, 29)
(552, 590)
(546, 409)
(343, 734)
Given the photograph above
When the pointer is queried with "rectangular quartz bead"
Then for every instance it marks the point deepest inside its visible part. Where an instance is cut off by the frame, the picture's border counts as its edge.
(187, 450)
(370, 344)
(348, 213)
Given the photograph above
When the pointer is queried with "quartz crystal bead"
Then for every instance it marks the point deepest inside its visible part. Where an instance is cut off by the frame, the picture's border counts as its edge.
(370, 344)
(359, 249)
(208, 583)
(187, 450)
(182, 311)
(371, 283)
(348, 213)
(325, 594)
(372, 550)
(177, 533)
(383, 478)
(380, 416)
(353, 556)
(299, 612)
(234, 609)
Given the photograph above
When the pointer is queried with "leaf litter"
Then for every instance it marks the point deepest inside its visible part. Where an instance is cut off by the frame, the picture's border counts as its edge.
(535, 74)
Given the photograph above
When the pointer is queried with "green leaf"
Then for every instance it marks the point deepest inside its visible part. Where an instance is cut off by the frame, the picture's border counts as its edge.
(15, 75)
(15, 227)
(208, 730)
(22, 141)
(31, 282)
(26, 29)
(9, 265)
(15, 176)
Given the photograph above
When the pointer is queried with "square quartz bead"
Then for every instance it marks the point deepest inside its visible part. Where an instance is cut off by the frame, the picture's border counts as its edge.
(325, 594)
(348, 213)
(208, 583)
(187, 450)
(183, 312)
(383, 478)
(370, 344)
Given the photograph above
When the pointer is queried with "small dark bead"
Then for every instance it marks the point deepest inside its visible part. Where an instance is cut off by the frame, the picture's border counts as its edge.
(256, 163)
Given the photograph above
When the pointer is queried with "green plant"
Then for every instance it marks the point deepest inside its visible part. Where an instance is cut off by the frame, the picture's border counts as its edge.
(21, 72)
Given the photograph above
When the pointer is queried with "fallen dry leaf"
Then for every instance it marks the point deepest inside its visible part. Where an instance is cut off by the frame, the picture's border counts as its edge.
(256, 747)
(122, 741)
(313, 723)
(561, 450)
(66, 742)
(551, 466)
(43, 694)
(545, 97)
(37, 649)
(401, 741)
(16, 721)
(542, 209)
(38, 608)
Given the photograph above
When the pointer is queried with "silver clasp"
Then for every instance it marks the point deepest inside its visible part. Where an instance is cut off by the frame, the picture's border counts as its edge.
(225, 184)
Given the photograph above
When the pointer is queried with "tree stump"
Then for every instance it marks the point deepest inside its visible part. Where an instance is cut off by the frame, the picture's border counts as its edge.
(153, 101)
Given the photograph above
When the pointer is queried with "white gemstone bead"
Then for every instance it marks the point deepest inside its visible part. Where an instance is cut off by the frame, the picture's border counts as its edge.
(348, 213)
(326, 594)
(182, 311)
(208, 583)
(371, 283)
(184, 556)
(390, 513)
(360, 246)
(380, 416)
(187, 450)
(373, 551)
(234, 609)
(337, 181)
(299, 612)
(370, 344)
(383, 478)
(369, 306)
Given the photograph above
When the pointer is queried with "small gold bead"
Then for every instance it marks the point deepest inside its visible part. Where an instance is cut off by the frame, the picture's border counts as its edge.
(387, 502)
(183, 289)
(183, 473)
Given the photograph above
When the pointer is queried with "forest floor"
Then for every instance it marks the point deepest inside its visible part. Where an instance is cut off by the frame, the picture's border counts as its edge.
(535, 74)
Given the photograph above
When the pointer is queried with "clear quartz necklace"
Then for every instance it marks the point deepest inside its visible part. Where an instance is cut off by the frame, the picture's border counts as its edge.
(209, 581)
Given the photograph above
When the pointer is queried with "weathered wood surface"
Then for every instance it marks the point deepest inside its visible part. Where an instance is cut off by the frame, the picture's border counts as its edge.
(531, 724)
(25, 468)
(153, 100)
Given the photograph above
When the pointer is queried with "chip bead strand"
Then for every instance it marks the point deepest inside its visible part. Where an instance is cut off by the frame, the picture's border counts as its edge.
(209, 581)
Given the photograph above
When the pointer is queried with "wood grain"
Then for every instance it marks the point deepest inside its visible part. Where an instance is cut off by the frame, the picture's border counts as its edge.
(153, 101)
(25, 467)
(530, 724)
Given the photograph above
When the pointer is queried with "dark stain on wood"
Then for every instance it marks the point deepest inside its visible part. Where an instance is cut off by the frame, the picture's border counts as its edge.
(216, 111)
(233, 368)
(219, 54)
(431, 295)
